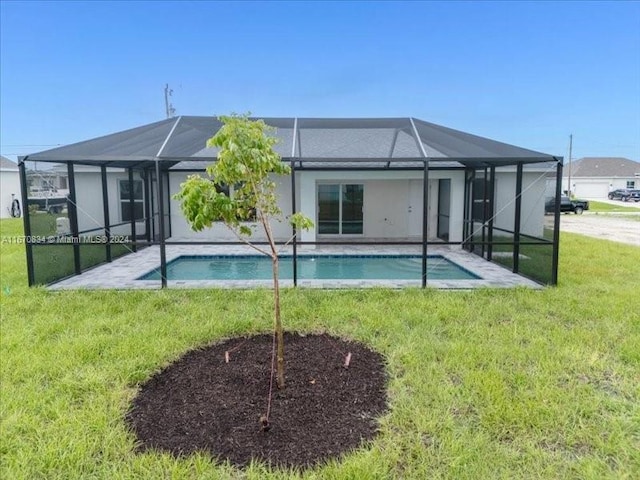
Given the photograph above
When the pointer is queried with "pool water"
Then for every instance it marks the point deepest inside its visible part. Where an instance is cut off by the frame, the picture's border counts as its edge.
(311, 267)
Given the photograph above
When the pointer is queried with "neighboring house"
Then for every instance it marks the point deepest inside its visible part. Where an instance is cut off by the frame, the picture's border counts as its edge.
(47, 182)
(9, 189)
(595, 177)
(357, 179)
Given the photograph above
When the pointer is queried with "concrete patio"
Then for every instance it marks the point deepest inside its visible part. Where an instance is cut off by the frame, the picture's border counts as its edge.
(123, 272)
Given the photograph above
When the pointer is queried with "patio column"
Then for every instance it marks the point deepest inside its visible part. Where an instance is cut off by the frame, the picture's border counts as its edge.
(132, 212)
(168, 231)
(105, 211)
(516, 220)
(163, 253)
(294, 232)
(467, 237)
(153, 192)
(73, 218)
(425, 200)
(492, 196)
(145, 209)
(485, 208)
(556, 224)
(26, 221)
(425, 220)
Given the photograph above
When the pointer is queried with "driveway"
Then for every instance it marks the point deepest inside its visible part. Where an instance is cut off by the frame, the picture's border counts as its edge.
(619, 228)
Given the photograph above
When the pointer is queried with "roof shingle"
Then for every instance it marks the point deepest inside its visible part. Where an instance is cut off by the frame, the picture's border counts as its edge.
(603, 167)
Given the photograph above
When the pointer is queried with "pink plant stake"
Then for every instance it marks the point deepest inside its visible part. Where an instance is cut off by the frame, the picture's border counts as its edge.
(347, 360)
(226, 356)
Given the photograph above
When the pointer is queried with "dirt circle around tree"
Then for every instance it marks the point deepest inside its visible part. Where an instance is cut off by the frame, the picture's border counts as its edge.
(202, 403)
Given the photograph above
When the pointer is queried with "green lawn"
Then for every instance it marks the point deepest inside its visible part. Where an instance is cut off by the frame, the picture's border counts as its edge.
(603, 207)
(483, 384)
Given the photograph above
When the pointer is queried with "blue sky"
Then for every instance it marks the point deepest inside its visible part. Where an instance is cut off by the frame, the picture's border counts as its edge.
(524, 73)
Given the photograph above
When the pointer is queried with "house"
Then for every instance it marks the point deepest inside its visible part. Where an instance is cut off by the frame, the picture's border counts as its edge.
(52, 181)
(10, 191)
(595, 177)
(367, 180)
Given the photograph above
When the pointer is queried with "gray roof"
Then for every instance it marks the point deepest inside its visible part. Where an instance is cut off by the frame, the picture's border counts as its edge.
(603, 167)
(7, 164)
(397, 142)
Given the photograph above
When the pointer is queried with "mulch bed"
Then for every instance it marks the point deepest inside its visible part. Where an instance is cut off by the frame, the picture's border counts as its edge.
(202, 403)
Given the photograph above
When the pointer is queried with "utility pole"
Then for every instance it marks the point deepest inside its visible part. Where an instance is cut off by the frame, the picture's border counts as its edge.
(570, 148)
(171, 112)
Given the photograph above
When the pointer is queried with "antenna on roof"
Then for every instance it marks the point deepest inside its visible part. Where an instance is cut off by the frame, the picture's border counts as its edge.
(171, 112)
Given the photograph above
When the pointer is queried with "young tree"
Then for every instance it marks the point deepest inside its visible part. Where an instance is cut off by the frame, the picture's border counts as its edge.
(246, 162)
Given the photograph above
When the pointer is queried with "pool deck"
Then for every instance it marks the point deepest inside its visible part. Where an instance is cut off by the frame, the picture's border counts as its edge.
(122, 273)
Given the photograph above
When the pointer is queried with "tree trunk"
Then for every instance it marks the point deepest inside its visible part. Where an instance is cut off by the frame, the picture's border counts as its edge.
(278, 326)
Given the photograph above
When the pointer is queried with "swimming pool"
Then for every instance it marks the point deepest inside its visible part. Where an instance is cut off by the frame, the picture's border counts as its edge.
(311, 267)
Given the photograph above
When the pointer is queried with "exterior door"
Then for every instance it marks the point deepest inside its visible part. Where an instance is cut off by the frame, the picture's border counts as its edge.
(444, 208)
(414, 208)
(340, 209)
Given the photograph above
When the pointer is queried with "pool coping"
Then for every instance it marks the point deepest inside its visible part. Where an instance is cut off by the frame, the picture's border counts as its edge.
(122, 273)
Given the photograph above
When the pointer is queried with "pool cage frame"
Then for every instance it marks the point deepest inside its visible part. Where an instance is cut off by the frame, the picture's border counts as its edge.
(480, 234)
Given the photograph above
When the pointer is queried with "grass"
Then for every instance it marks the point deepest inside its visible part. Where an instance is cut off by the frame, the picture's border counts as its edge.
(602, 207)
(53, 263)
(483, 384)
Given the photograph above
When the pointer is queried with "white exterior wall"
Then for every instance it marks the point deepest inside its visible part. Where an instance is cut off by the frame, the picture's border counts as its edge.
(9, 183)
(533, 198)
(180, 229)
(387, 197)
(88, 183)
(89, 200)
(596, 187)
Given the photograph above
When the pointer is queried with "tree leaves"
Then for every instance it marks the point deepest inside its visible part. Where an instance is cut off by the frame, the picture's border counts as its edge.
(247, 161)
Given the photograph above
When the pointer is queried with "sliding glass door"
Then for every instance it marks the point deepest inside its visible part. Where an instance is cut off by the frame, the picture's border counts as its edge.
(340, 209)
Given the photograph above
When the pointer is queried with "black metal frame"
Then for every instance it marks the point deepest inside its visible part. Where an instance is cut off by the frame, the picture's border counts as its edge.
(161, 169)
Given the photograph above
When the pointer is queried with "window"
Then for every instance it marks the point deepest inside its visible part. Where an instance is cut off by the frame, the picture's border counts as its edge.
(478, 212)
(340, 209)
(224, 188)
(125, 200)
(229, 191)
(631, 184)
